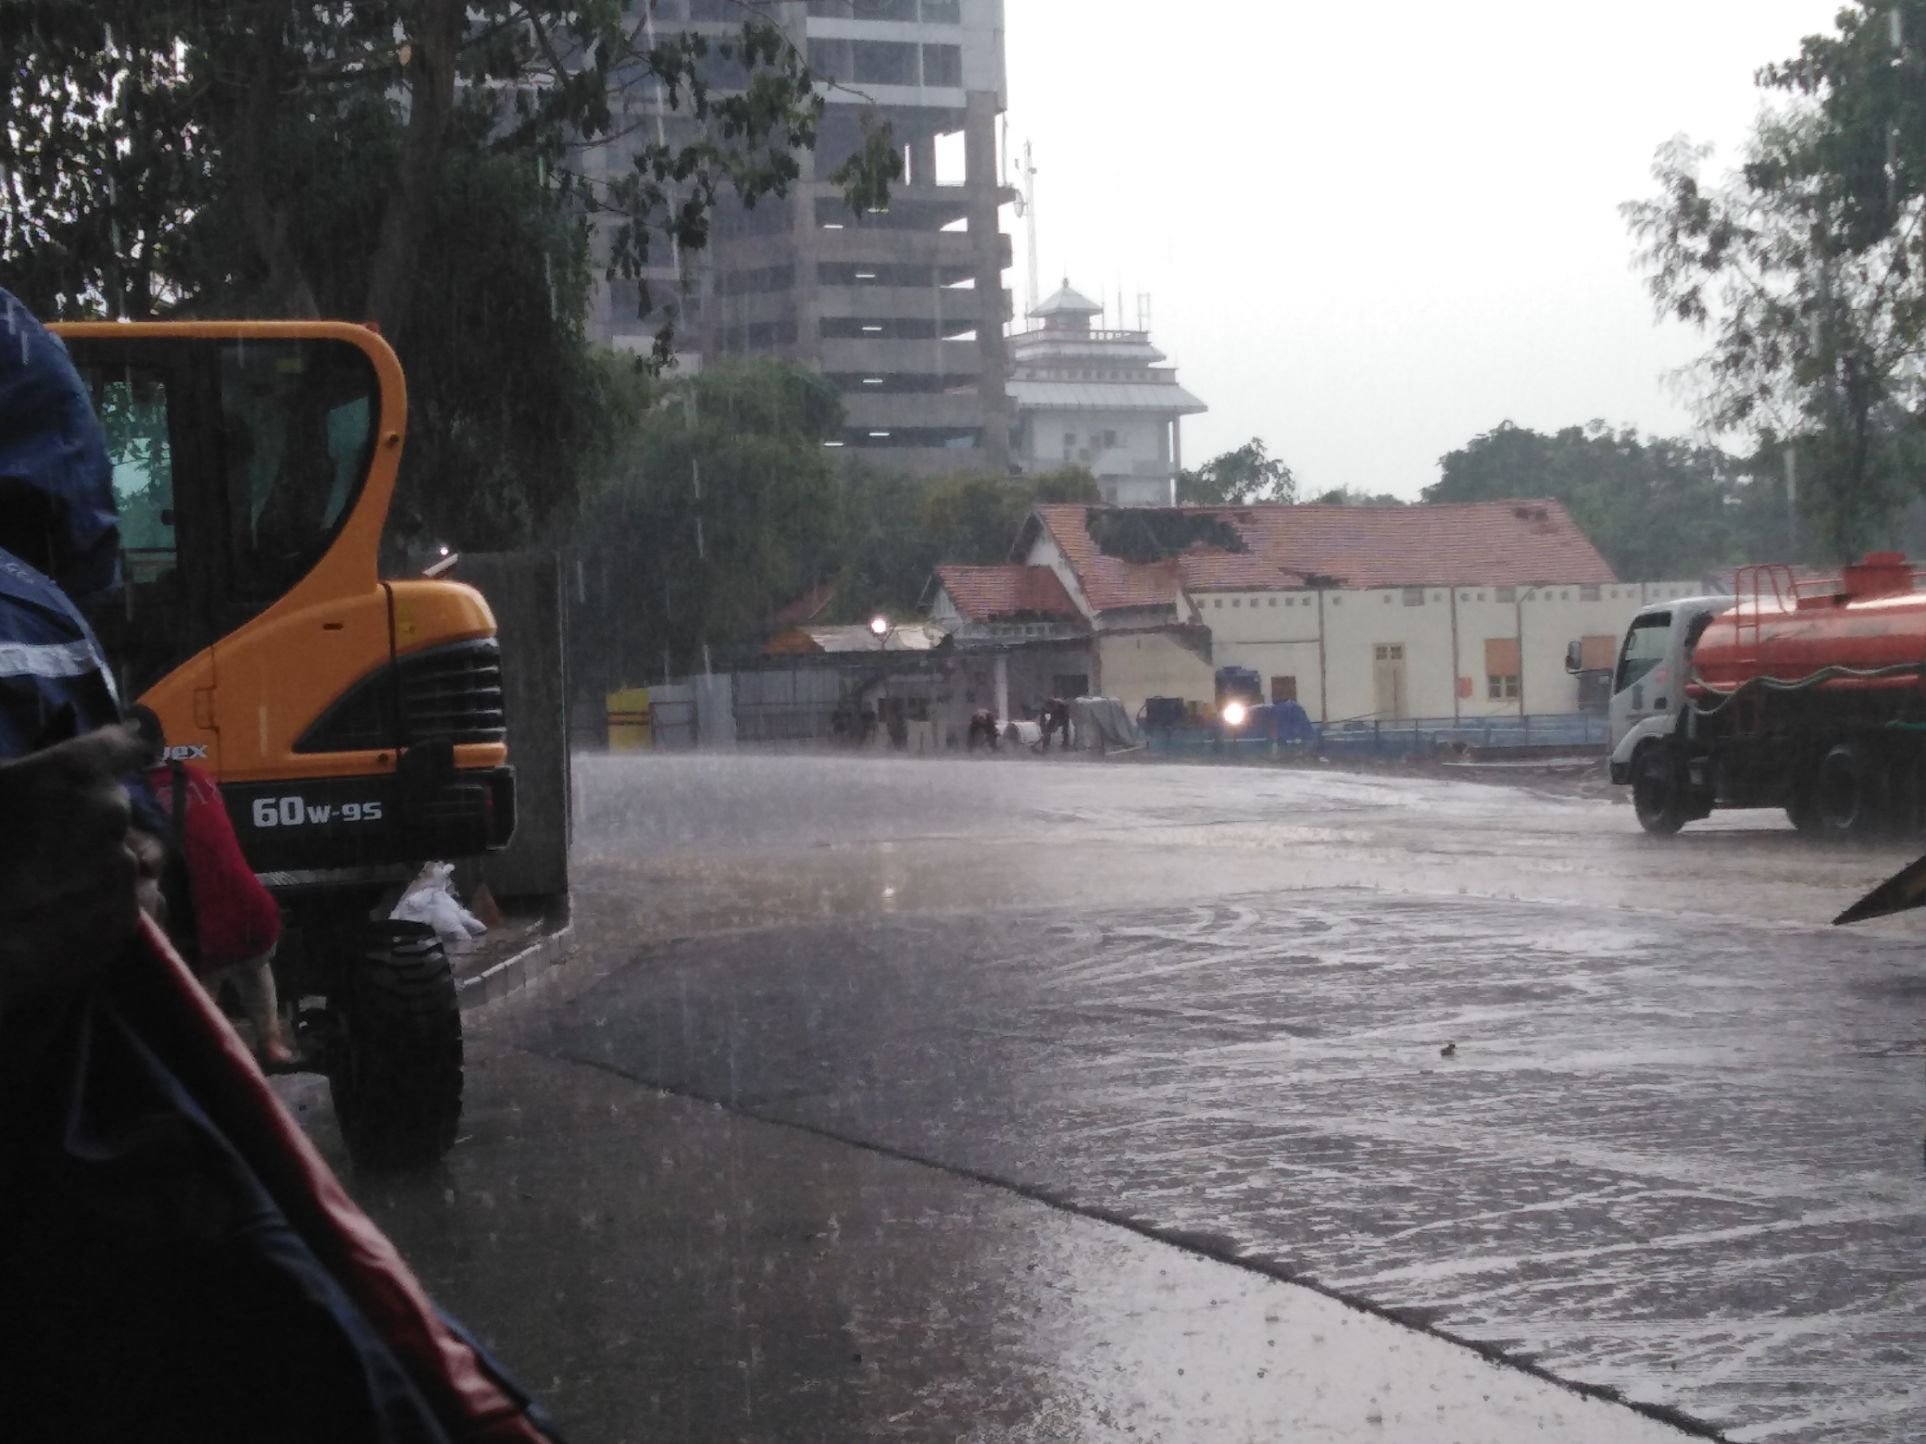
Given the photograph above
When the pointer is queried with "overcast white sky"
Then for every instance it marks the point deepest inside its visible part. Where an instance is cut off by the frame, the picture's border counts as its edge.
(1372, 231)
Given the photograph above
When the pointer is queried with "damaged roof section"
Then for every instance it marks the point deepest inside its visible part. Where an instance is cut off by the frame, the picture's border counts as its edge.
(1010, 593)
(1144, 557)
(1146, 534)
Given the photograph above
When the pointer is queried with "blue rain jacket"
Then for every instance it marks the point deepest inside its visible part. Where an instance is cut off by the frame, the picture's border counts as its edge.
(57, 504)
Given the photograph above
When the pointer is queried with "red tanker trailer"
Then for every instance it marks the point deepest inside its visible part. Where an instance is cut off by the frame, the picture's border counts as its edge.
(1806, 695)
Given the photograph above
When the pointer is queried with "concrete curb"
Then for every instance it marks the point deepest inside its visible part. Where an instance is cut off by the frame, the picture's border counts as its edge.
(517, 969)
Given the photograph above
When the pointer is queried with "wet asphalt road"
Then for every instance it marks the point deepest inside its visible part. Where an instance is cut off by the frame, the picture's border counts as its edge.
(1676, 1151)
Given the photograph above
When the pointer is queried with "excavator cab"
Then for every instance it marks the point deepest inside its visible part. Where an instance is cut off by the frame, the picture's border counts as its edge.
(355, 723)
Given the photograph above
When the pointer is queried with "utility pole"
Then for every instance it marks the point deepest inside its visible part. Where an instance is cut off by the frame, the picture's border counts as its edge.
(1026, 207)
(1792, 500)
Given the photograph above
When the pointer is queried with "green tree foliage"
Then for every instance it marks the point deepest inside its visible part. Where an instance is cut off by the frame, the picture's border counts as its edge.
(1805, 269)
(883, 556)
(894, 531)
(713, 507)
(775, 517)
(1351, 496)
(410, 162)
(1237, 478)
(974, 519)
(1655, 507)
(1069, 484)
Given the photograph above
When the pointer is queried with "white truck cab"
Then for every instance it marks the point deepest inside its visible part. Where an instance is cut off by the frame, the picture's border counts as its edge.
(1654, 664)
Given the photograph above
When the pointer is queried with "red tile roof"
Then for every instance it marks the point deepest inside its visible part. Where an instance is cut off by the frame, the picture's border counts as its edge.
(806, 608)
(985, 593)
(1486, 543)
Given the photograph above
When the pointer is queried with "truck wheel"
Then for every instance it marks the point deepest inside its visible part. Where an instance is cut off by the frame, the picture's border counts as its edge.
(1848, 800)
(396, 1079)
(1658, 791)
(1801, 811)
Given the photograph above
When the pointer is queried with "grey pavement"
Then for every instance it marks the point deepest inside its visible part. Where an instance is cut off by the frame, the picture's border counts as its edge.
(998, 1039)
(656, 1268)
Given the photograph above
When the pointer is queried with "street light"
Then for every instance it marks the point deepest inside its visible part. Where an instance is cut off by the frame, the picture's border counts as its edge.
(879, 627)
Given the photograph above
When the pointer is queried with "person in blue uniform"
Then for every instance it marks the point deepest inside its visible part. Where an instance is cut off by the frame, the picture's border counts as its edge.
(73, 865)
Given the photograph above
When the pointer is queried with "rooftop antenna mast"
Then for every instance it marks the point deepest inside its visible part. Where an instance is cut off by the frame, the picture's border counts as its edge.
(1026, 207)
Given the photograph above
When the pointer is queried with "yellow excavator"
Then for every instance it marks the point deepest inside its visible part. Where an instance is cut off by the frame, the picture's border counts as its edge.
(355, 723)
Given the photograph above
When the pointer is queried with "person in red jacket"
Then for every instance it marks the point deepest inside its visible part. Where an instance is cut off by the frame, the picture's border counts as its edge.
(235, 922)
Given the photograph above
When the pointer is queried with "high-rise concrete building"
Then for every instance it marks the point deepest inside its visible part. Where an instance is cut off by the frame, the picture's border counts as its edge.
(903, 308)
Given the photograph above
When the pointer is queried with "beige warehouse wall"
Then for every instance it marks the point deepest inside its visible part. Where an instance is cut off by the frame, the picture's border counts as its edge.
(1135, 666)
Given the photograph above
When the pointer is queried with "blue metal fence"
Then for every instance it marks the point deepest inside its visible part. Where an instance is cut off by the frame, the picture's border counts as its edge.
(1404, 737)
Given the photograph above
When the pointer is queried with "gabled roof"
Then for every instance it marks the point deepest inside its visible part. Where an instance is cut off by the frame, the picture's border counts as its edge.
(984, 594)
(1489, 543)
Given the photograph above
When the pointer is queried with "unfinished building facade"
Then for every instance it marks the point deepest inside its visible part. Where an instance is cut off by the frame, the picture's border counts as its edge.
(903, 308)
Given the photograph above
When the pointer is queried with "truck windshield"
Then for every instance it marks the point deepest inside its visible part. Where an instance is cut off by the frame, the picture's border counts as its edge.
(1644, 648)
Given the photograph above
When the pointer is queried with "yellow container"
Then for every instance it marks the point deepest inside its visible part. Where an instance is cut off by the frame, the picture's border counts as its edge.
(631, 725)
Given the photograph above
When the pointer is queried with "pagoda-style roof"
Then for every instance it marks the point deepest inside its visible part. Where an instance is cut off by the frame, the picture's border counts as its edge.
(1067, 302)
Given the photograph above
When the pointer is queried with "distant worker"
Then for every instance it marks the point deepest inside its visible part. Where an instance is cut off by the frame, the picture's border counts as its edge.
(1056, 718)
(983, 727)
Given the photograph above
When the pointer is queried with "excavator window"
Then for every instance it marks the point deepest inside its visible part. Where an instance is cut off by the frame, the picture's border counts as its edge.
(235, 464)
(297, 422)
(133, 412)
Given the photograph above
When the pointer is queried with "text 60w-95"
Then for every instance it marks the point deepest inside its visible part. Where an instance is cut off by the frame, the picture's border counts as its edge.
(297, 811)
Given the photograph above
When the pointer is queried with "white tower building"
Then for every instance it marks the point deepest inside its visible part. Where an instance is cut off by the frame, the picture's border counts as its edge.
(1097, 399)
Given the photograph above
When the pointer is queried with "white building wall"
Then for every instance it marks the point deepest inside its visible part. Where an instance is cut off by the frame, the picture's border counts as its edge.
(1277, 634)
(1327, 641)
(1127, 451)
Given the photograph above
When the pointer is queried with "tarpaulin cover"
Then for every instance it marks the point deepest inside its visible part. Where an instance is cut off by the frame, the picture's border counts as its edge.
(176, 1259)
(1102, 721)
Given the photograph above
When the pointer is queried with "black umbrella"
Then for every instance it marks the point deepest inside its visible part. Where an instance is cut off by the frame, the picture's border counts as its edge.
(1904, 889)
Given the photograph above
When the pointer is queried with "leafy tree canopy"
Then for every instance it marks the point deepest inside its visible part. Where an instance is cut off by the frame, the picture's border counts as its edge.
(1655, 507)
(1236, 478)
(1351, 496)
(1804, 268)
(716, 506)
(410, 162)
(974, 519)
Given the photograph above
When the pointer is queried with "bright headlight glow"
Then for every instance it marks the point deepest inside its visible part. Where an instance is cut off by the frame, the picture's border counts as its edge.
(1235, 713)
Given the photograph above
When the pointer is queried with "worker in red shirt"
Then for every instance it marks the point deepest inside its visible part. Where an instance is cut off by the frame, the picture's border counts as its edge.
(224, 922)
